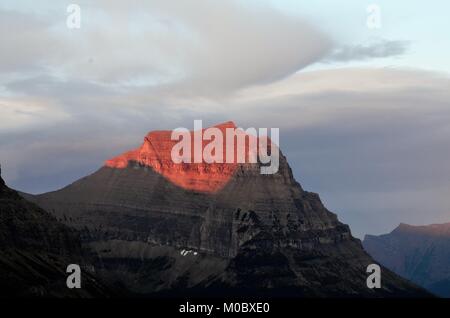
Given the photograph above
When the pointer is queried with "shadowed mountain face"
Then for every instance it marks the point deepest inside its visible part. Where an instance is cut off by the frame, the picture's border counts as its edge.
(419, 253)
(258, 234)
(35, 250)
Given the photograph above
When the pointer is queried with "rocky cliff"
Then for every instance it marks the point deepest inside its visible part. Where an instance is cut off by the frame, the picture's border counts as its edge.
(419, 253)
(163, 228)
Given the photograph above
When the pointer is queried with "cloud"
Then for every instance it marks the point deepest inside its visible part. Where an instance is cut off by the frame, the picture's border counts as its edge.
(25, 114)
(142, 59)
(200, 46)
(379, 49)
(248, 47)
(28, 44)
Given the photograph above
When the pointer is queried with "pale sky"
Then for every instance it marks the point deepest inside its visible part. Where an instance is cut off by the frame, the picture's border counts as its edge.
(364, 114)
(425, 25)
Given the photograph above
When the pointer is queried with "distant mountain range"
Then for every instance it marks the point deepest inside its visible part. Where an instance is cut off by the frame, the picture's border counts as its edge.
(159, 228)
(418, 253)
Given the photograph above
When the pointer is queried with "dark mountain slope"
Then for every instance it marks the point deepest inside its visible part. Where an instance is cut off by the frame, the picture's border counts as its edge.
(35, 250)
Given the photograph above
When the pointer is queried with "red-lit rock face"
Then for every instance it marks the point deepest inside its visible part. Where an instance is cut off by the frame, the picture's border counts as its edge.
(155, 152)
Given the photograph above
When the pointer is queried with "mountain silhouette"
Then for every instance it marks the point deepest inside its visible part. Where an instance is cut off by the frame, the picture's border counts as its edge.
(161, 228)
(35, 250)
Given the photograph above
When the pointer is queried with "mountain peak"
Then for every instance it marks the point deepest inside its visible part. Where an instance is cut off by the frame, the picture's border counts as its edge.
(227, 124)
(155, 153)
